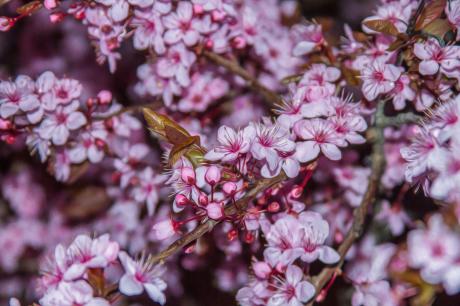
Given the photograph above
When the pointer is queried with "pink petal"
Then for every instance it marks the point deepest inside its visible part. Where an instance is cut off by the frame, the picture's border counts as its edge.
(429, 67)
(307, 151)
(130, 286)
(331, 151)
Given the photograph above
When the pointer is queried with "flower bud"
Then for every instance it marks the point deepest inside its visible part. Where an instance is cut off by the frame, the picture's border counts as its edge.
(5, 23)
(56, 17)
(296, 192)
(188, 175)
(50, 4)
(261, 269)
(215, 210)
(104, 96)
(274, 207)
(232, 234)
(212, 175)
(217, 15)
(249, 237)
(229, 188)
(198, 9)
(181, 200)
(203, 199)
(239, 42)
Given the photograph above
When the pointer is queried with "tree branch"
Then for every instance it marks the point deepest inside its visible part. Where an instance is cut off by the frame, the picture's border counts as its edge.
(272, 97)
(360, 213)
(209, 224)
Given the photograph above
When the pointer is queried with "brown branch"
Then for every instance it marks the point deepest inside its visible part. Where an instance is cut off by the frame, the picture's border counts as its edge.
(272, 97)
(360, 213)
(209, 224)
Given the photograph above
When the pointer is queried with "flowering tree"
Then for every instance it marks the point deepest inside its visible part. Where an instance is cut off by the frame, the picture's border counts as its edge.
(233, 143)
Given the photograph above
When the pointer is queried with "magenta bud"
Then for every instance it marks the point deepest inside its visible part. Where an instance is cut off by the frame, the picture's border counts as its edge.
(181, 200)
(296, 192)
(229, 188)
(104, 96)
(203, 199)
(212, 175)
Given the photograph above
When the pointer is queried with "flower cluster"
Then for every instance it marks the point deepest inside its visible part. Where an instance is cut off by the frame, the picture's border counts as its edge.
(78, 274)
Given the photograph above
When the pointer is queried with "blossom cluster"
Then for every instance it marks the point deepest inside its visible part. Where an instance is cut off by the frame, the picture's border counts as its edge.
(273, 154)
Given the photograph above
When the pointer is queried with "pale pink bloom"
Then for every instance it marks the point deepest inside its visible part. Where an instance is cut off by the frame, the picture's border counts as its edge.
(17, 96)
(140, 275)
(394, 216)
(149, 31)
(181, 25)
(379, 78)
(164, 229)
(423, 154)
(308, 38)
(176, 64)
(215, 210)
(14, 302)
(148, 188)
(269, 143)
(85, 253)
(232, 144)
(284, 241)
(53, 273)
(314, 93)
(293, 290)
(127, 162)
(287, 161)
(255, 294)
(433, 250)
(70, 294)
(316, 232)
(396, 12)
(354, 180)
(375, 293)
(320, 136)
(57, 125)
(320, 74)
(90, 144)
(436, 58)
(154, 85)
(118, 9)
(261, 269)
(448, 180)
(348, 127)
(402, 92)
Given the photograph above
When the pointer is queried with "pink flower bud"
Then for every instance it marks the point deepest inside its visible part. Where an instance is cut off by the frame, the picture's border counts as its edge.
(188, 175)
(274, 207)
(296, 192)
(5, 23)
(50, 4)
(217, 15)
(239, 42)
(198, 9)
(5, 124)
(215, 210)
(104, 96)
(229, 188)
(212, 175)
(232, 234)
(249, 237)
(164, 229)
(203, 199)
(209, 44)
(56, 17)
(261, 269)
(181, 200)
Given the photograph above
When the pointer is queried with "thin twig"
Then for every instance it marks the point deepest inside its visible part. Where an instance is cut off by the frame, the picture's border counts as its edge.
(209, 224)
(272, 97)
(360, 213)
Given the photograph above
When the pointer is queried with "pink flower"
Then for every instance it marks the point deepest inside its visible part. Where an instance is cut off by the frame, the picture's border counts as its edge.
(17, 96)
(148, 188)
(402, 92)
(164, 229)
(269, 142)
(284, 241)
(394, 216)
(149, 31)
(309, 37)
(70, 294)
(316, 232)
(90, 253)
(433, 250)
(63, 91)
(90, 145)
(292, 291)
(176, 64)
(57, 125)
(181, 25)
(118, 9)
(379, 78)
(140, 275)
(232, 144)
(320, 135)
(436, 58)
(398, 13)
